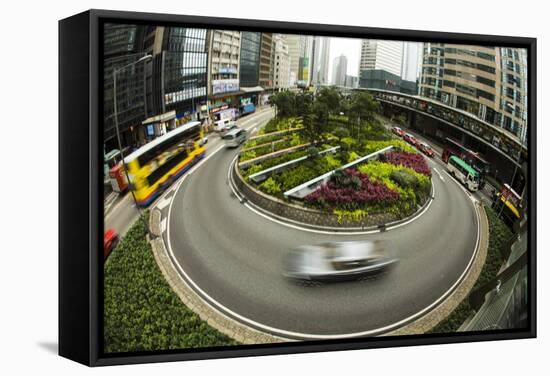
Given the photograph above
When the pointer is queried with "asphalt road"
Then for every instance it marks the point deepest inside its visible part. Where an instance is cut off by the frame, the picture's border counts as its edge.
(236, 258)
(122, 212)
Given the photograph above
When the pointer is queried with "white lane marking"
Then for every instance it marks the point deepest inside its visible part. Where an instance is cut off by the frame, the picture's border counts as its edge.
(459, 184)
(256, 124)
(439, 174)
(219, 308)
(419, 215)
(163, 203)
(259, 114)
(163, 225)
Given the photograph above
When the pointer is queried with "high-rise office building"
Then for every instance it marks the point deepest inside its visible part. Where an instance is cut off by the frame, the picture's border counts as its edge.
(305, 62)
(123, 45)
(411, 61)
(155, 94)
(281, 63)
(351, 81)
(266, 53)
(180, 71)
(324, 61)
(339, 70)
(297, 51)
(224, 63)
(488, 82)
(249, 70)
(320, 60)
(382, 55)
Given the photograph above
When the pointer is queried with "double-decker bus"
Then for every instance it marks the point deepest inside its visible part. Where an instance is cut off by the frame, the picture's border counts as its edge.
(507, 202)
(469, 156)
(463, 172)
(157, 164)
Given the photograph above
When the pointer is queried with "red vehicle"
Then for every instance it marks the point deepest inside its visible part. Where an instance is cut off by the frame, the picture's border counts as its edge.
(426, 149)
(410, 139)
(398, 131)
(110, 240)
(118, 178)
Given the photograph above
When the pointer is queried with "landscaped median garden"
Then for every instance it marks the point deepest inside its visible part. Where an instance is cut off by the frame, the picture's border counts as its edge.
(316, 134)
(141, 312)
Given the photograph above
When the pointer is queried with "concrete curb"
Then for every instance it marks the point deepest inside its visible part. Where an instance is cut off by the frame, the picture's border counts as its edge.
(226, 325)
(461, 292)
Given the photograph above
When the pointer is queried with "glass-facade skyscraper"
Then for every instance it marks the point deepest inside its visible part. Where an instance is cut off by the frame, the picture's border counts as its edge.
(122, 46)
(250, 59)
(488, 82)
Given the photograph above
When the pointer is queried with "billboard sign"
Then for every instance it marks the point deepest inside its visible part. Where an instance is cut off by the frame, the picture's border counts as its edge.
(225, 86)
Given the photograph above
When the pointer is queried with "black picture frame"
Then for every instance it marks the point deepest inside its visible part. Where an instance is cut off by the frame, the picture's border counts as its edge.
(80, 191)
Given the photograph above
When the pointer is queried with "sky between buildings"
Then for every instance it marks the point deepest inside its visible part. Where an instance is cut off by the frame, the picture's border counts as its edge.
(351, 48)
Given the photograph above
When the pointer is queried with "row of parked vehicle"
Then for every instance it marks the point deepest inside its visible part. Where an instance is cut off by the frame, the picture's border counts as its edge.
(409, 138)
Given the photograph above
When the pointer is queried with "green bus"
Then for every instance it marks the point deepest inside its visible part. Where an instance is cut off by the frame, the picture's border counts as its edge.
(464, 173)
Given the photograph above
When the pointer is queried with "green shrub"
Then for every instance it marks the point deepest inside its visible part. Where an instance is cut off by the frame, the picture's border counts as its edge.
(313, 152)
(245, 156)
(296, 139)
(252, 170)
(341, 132)
(499, 235)
(270, 186)
(279, 124)
(404, 178)
(332, 161)
(357, 215)
(455, 319)
(348, 142)
(249, 144)
(141, 312)
(296, 176)
(352, 156)
(409, 194)
(372, 146)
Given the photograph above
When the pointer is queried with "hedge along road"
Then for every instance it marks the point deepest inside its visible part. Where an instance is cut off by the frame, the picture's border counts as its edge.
(235, 257)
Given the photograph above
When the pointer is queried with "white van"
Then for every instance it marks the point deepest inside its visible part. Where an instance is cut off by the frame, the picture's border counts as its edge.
(234, 137)
(225, 124)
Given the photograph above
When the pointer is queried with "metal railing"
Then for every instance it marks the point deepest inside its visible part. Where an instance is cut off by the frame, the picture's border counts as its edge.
(306, 188)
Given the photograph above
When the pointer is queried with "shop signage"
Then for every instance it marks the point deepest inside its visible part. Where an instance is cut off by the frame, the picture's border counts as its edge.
(227, 70)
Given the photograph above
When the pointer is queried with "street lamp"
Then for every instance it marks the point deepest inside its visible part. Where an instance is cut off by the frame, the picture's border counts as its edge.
(115, 71)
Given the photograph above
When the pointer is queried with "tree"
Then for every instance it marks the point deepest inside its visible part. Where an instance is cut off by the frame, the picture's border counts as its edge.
(341, 133)
(362, 111)
(331, 98)
(304, 109)
(285, 102)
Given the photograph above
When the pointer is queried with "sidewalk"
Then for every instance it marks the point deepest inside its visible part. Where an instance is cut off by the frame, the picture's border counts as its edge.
(110, 200)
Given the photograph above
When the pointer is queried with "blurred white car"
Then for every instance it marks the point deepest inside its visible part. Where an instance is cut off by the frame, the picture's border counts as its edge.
(335, 261)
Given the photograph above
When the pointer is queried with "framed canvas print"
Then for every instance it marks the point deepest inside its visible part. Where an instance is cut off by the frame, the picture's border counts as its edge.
(234, 187)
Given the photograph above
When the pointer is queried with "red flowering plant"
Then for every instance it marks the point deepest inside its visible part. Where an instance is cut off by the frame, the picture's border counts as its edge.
(417, 162)
(351, 190)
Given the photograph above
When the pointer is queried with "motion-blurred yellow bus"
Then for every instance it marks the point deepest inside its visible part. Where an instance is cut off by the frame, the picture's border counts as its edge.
(156, 165)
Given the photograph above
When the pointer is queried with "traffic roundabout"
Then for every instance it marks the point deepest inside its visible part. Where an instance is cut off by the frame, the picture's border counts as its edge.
(231, 255)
